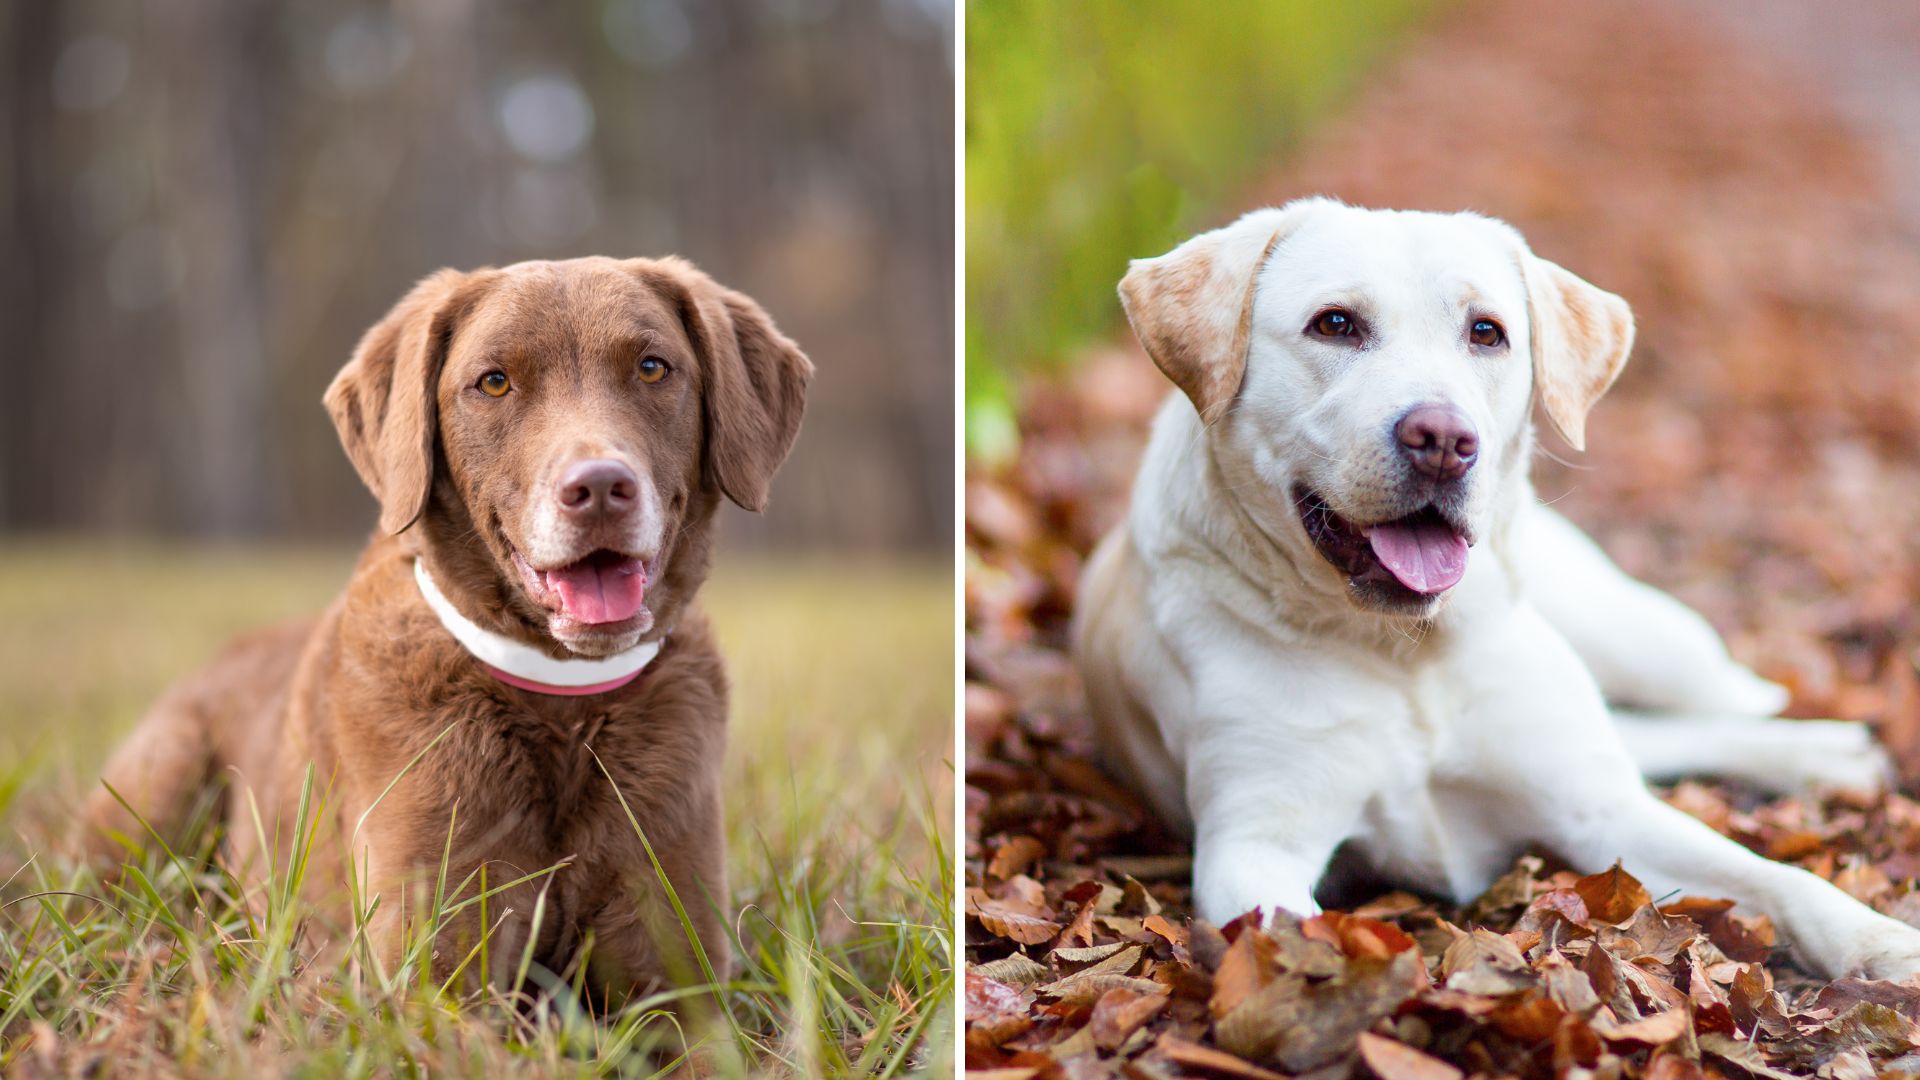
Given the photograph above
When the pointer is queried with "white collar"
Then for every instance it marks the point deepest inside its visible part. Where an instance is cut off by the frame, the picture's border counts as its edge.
(526, 667)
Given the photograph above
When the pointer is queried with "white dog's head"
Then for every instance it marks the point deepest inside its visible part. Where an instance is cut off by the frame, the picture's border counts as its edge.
(1366, 378)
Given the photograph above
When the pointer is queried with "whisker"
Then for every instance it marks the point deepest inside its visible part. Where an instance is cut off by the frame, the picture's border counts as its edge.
(1574, 465)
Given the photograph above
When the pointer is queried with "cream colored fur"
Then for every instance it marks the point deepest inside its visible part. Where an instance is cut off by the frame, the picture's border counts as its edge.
(1238, 680)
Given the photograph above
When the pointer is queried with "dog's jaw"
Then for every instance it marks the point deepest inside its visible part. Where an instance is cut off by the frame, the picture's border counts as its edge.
(553, 595)
(1357, 552)
(593, 586)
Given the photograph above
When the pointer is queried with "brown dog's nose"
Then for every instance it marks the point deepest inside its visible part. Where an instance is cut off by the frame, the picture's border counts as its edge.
(1439, 440)
(598, 486)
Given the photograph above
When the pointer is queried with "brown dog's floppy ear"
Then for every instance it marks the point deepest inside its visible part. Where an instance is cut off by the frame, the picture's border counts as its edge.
(1581, 337)
(383, 401)
(1192, 308)
(754, 380)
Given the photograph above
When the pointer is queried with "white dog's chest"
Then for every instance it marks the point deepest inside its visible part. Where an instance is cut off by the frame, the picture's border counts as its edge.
(1409, 829)
(1417, 742)
(1399, 742)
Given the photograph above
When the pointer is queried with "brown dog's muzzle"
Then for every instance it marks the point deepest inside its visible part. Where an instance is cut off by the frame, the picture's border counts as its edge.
(589, 541)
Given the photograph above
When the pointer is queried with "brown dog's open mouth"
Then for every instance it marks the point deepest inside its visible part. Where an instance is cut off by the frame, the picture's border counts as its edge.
(1423, 553)
(603, 588)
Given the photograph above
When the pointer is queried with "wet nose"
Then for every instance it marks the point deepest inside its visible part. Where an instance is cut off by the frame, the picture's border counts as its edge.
(598, 487)
(1438, 440)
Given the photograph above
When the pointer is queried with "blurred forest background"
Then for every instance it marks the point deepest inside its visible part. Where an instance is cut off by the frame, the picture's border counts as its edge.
(203, 204)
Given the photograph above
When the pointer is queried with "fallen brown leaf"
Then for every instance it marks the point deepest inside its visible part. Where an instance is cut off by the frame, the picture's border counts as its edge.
(1612, 896)
(1194, 1056)
(1392, 1060)
(1015, 856)
(1119, 1013)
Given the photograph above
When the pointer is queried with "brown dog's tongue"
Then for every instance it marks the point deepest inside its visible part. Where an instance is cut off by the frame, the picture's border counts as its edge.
(1425, 556)
(600, 591)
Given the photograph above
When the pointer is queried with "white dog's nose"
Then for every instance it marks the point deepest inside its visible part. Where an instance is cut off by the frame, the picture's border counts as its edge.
(1438, 440)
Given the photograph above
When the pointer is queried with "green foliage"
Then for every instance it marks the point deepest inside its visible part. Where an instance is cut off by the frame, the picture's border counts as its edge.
(1103, 131)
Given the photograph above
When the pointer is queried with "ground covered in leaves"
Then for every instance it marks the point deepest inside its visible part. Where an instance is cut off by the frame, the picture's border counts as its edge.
(1759, 459)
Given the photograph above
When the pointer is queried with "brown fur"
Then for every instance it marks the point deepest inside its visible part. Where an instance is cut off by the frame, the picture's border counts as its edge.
(370, 684)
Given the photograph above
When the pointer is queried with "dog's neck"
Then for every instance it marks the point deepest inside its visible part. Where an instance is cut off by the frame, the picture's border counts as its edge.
(1187, 506)
(525, 667)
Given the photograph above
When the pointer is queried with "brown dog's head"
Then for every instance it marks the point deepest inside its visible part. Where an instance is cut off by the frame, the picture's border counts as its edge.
(562, 432)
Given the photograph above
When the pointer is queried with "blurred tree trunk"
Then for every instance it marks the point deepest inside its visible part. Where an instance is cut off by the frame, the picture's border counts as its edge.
(223, 72)
(32, 268)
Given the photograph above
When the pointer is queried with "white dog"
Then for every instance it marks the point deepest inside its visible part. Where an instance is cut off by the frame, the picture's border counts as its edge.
(1336, 613)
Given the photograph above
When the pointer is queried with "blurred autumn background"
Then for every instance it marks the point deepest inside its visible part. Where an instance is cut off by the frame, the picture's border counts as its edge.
(1743, 173)
(204, 204)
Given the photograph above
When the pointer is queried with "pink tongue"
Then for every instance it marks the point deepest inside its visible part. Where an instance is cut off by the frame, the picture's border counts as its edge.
(593, 591)
(1425, 556)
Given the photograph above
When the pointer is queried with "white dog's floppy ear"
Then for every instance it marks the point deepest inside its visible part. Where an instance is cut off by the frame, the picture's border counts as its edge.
(1192, 308)
(1581, 337)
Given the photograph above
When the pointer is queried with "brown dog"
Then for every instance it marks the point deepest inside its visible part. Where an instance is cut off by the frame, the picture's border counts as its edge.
(549, 443)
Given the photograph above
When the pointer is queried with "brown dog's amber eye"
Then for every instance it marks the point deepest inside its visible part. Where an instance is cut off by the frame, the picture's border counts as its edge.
(653, 369)
(1335, 323)
(495, 383)
(1486, 333)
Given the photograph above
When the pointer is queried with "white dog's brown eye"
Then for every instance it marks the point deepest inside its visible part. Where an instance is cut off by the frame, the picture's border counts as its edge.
(495, 384)
(653, 369)
(1486, 333)
(1335, 323)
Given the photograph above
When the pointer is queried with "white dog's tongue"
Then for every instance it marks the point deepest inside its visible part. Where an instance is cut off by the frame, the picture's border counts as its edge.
(1424, 555)
(600, 591)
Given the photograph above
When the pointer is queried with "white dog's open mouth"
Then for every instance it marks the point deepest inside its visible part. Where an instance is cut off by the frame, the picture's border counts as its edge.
(1424, 553)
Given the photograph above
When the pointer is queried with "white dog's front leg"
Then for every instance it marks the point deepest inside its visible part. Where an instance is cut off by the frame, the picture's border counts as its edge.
(1271, 802)
(1670, 852)
(1543, 763)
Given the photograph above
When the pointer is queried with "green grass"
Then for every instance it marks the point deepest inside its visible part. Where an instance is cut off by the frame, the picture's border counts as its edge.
(839, 784)
(1103, 131)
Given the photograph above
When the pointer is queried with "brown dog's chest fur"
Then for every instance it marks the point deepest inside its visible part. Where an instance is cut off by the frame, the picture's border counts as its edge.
(516, 780)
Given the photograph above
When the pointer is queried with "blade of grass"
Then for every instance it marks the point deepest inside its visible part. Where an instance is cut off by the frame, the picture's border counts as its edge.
(740, 1039)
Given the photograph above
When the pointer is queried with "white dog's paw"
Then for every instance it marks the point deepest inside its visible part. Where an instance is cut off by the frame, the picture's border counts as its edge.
(1739, 691)
(1895, 958)
(1231, 880)
(1847, 757)
(1824, 754)
(1220, 908)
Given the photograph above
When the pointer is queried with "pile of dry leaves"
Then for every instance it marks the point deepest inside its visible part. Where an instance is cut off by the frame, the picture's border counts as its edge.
(1559, 974)
(1761, 459)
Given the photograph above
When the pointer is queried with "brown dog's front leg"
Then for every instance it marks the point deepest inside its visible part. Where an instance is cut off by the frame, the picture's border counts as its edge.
(641, 944)
(157, 772)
